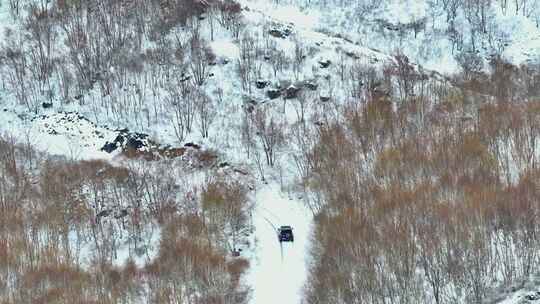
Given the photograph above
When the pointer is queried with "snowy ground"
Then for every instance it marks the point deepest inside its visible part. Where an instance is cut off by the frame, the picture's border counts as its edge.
(431, 48)
(528, 294)
(278, 272)
(67, 134)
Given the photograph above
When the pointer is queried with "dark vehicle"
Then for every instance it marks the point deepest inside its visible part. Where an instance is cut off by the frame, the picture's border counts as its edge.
(285, 234)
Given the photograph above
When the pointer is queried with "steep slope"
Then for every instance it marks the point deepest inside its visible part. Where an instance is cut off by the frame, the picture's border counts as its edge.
(292, 66)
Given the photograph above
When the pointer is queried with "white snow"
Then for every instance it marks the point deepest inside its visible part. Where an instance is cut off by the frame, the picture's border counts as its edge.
(59, 134)
(6, 21)
(225, 48)
(284, 13)
(524, 37)
(278, 273)
(527, 292)
(406, 11)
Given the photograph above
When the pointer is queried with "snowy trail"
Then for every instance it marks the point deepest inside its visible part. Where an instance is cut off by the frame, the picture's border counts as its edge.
(278, 273)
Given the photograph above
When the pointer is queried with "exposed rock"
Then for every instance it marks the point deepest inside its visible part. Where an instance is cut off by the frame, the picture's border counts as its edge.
(311, 85)
(324, 98)
(223, 165)
(192, 145)
(135, 142)
(122, 213)
(128, 141)
(352, 54)
(280, 32)
(324, 63)
(273, 93)
(104, 213)
(261, 84)
(291, 92)
(185, 78)
(109, 147)
(240, 171)
(139, 145)
(276, 33)
(99, 134)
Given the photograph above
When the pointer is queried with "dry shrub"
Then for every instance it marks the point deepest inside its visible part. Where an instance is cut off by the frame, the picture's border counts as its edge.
(404, 203)
(172, 152)
(154, 154)
(147, 155)
(187, 257)
(205, 158)
(40, 236)
(237, 268)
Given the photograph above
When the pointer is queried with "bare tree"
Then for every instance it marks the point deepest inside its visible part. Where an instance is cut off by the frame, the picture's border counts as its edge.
(206, 111)
(200, 59)
(269, 131)
(246, 61)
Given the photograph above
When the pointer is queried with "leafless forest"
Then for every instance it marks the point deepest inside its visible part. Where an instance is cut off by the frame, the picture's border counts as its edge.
(424, 188)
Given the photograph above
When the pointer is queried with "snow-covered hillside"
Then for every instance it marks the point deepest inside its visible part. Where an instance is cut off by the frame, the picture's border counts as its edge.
(241, 91)
(421, 29)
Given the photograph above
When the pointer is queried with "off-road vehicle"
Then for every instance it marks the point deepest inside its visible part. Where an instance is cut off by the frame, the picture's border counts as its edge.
(285, 234)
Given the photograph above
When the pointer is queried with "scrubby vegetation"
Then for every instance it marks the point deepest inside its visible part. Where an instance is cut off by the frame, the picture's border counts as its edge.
(440, 192)
(424, 186)
(90, 232)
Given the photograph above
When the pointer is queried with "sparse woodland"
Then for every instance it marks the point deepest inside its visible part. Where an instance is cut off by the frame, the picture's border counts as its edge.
(65, 223)
(435, 201)
(424, 188)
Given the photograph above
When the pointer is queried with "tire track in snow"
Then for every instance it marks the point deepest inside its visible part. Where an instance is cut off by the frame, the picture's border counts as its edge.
(278, 270)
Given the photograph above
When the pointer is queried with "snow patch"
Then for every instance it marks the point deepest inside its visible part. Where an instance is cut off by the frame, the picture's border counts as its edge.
(284, 13)
(406, 11)
(224, 48)
(524, 36)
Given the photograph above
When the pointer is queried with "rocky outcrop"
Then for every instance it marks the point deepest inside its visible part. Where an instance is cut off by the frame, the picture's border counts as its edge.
(291, 92)
(127, 141)
(273, 93)
(280, 32)
(261, 84)
(323, 64)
